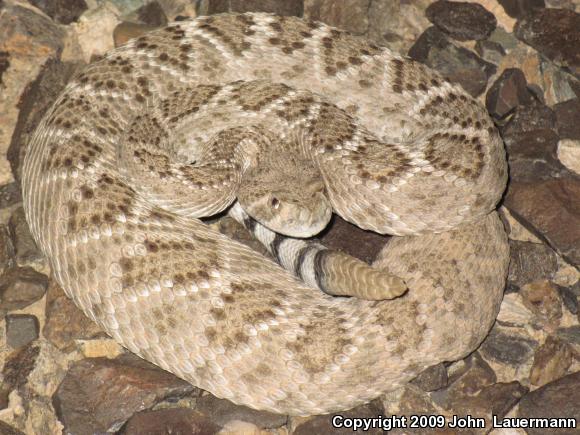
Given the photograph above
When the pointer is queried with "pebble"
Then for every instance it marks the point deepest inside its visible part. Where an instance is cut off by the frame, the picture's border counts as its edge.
(462, 21)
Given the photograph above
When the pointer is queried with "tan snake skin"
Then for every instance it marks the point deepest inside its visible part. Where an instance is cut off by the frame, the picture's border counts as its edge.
(110, 199)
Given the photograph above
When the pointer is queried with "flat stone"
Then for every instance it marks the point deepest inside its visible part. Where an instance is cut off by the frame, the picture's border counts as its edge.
(17, 367)
(507, 93)
(65, 322)
(554, 33)
(556, 399)
(27, 253)
(542, 298)
(221, 412)
(61, 11)
(490, 51)
(21, 329)
(570, 334)
(455, 63)
(466, 378)
(519, 8)
(462, 21)
(550, 210)
(100, 395)
(322, 424)
(551, 361)
(432, 378)
(567, 116)
(346, 237)
(170, 421)
(530, 262)
(20, 287)
(508, 347)
(6, 252)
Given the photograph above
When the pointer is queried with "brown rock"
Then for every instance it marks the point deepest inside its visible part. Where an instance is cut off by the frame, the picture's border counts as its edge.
(127, 30)
(17, 367)
(551, 361)
(10, 194)
(152, 13)
(176, 421)
(287, 8)
(221, 412)
(26, 251)
(507, 93)
(542, 298)
(567, 116)
(530, 262)
(62, 11)
(519, 8)
(432, 379)
(553, 32)
(463, 21)
(456, 63)
(66, 323)
(20, 287)
(507, 346)
(549, 209)
(6, 429)
(6, 253)
(556, 399)
(322, 424)
(100, 395)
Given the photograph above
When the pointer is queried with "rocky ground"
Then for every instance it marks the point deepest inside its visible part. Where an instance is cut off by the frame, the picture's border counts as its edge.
(521, 58)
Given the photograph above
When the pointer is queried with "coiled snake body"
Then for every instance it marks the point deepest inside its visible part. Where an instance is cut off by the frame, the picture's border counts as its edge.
(142, 142)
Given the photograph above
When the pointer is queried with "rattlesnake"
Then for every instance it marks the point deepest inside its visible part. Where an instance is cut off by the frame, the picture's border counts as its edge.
(109, 195)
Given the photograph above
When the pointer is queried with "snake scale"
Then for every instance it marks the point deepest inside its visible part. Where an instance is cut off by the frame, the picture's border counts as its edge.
(129, 156)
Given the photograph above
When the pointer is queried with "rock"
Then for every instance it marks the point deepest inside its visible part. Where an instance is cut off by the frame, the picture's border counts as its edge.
(569, 298)
(570, 334)
(404, 402)
(100, 395)
(17, 367)
(170, 421)
(542, 298)
(26, 251)
(34, 102)
(569, 154)
(221, 411)
(6, 429)
(61, 11)
(10, 194)
(21, 287)
(288, 7)
(513, 312)
(549, 209)
(322, 424)
(554, 33)
(466, 378)
(126, 31)
(556, 399)
(463, 21)
(27, 39)
(558, 84)
(6, 255)
(530, 262)
(493, 400)
(344, 236)
(432, 378)
(519, 8)
(490, 51)
(551, 361)
(532, 117)
(567, 116)
(507, 93)
(508, 347)
(152, 14)
(66, 323)
(456, 63)
(348, 14)
(21, 329)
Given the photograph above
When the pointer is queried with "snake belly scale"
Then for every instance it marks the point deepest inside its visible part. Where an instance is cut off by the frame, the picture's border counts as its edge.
(400, 151)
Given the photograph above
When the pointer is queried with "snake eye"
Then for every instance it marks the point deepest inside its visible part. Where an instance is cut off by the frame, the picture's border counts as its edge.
(275, 203)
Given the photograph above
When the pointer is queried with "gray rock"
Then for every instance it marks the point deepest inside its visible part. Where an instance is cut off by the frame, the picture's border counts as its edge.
(432, 378)
(530, 262)
(463, 21)
(20, 287)
(519, 8)
(10, 194)
(551, 361)
(570, 334)
(27, 253)
(289, 7)
(456, 63)
(6, 251)
(17, 367)
(508, 348)
(322, 424)
(178, 421)
(21, 329)
(62, 11)
(567, 116)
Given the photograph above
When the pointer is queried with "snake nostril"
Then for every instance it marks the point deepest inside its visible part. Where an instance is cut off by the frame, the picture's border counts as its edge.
(275, 203)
